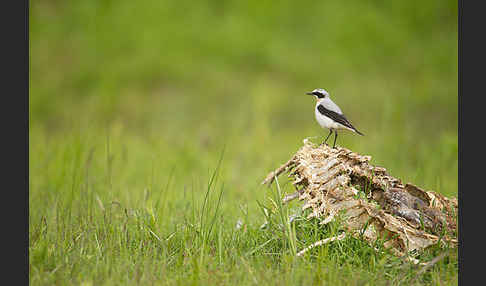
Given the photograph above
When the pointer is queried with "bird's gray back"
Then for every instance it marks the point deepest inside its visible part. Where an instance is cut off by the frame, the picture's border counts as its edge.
(330, 105)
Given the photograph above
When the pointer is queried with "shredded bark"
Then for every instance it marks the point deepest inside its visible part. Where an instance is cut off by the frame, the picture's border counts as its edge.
(375, 205)
(321, 242)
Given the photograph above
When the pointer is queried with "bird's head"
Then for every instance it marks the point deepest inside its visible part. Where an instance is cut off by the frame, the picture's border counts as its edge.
(318, 93)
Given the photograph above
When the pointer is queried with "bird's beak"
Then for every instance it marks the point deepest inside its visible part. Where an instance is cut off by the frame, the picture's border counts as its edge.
(309, 93)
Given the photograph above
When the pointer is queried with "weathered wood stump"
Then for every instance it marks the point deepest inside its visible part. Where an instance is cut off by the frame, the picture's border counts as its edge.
(374, 204)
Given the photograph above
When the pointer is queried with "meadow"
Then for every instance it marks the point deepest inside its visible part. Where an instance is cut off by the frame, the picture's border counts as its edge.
(152, 125)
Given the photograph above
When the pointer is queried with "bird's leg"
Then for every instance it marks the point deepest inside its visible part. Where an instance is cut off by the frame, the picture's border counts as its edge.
(325, 141)
(335, 137)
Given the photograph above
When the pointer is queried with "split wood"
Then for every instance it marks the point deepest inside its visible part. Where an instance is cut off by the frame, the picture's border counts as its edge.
(374, 204)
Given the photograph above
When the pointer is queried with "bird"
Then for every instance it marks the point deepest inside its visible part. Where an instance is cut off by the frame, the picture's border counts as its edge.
(330, 116)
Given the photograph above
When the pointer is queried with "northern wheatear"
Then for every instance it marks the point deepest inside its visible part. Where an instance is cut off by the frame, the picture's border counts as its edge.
(329, 115)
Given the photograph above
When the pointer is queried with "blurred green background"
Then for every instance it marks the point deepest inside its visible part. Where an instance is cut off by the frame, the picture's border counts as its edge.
(125, 93)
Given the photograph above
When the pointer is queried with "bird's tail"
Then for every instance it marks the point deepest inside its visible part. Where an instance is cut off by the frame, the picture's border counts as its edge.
(356, 130)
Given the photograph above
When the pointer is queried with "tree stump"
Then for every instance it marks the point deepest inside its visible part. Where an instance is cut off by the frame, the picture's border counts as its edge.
(374, 204)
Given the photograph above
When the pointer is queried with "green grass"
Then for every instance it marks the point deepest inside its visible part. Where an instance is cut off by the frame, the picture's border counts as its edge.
(152, 126)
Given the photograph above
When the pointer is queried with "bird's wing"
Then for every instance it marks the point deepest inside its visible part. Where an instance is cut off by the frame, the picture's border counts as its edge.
(339, 118)
(330, 105)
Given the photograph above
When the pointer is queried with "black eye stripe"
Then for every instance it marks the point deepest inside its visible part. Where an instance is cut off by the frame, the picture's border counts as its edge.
(318, 94)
